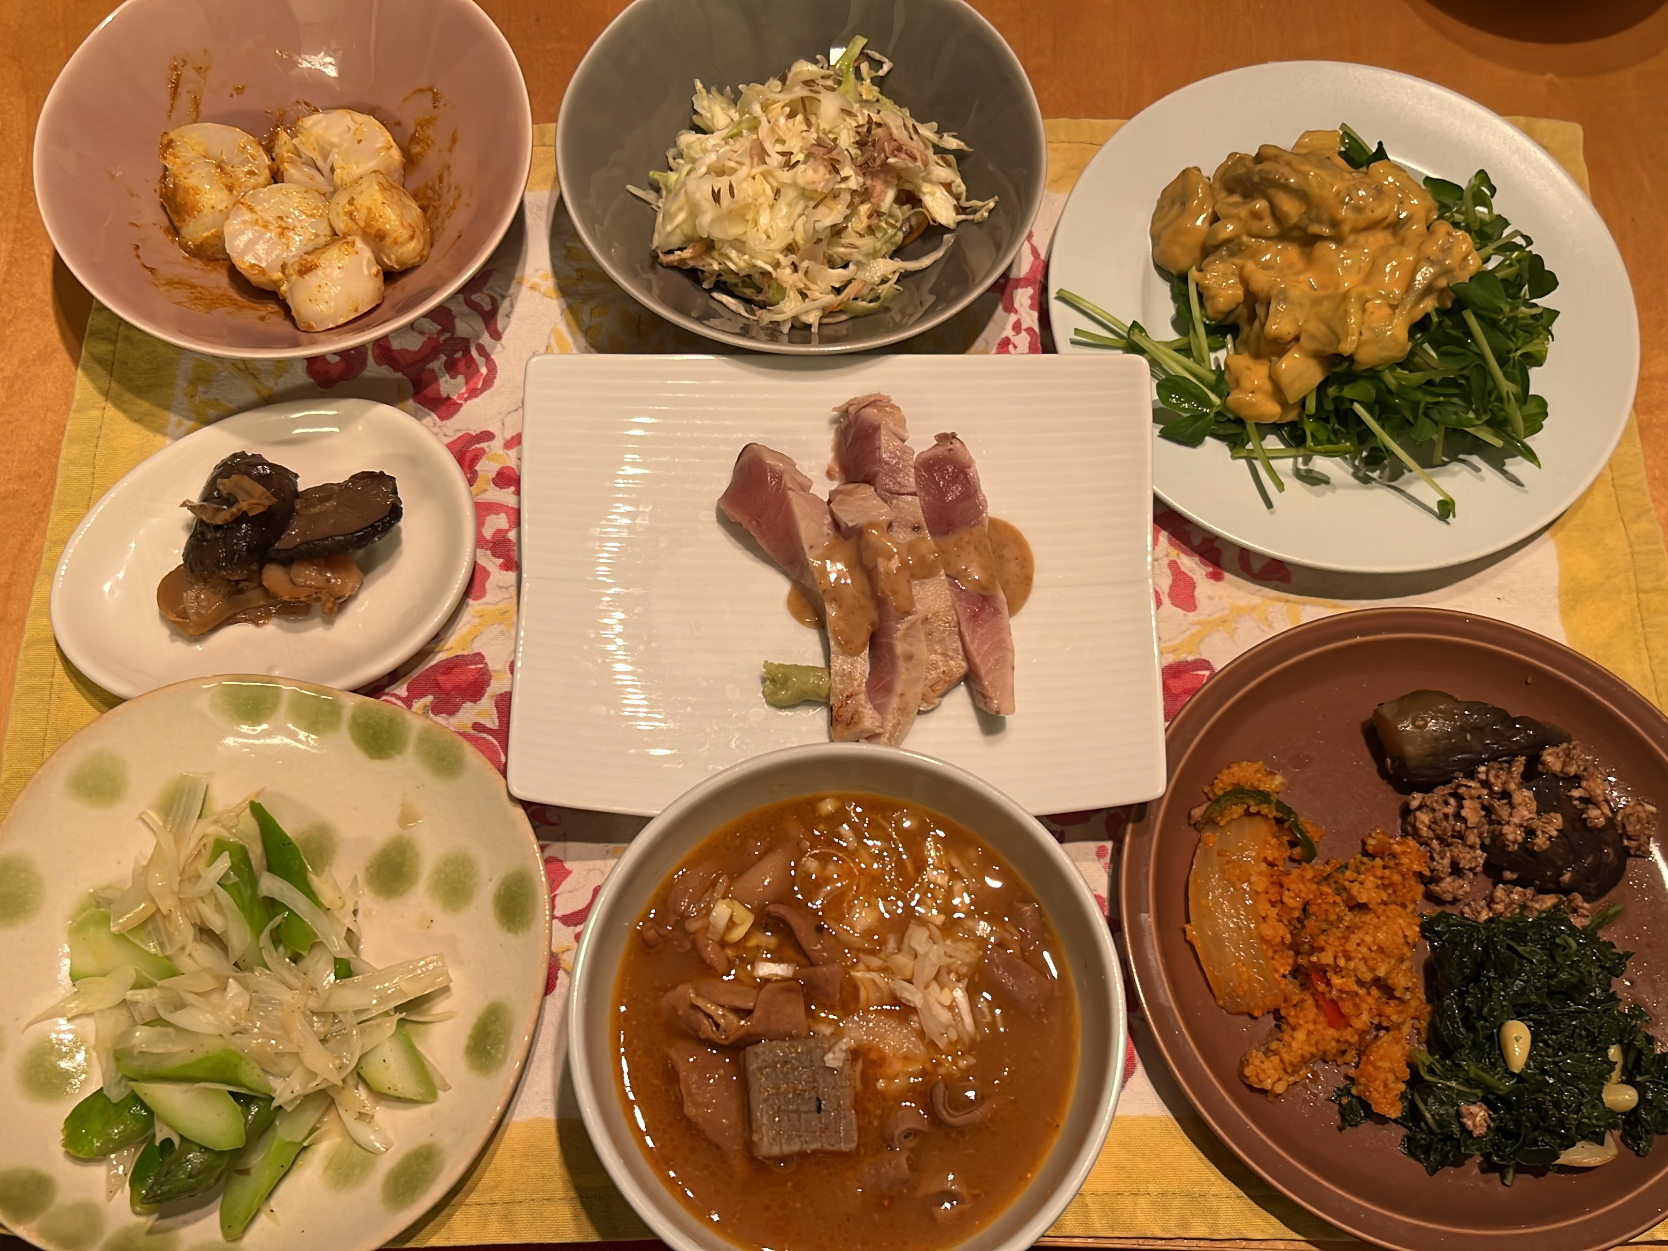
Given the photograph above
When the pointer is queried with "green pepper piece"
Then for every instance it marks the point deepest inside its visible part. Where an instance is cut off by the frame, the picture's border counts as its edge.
(166, 1172)
(284, 860)
(1245, 795)
(242, 884)
(98, 1126)
(171, 1171)
(258, 1113)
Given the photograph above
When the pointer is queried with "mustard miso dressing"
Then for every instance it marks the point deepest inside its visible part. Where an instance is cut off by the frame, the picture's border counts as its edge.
(852, 575)
(1311, 260)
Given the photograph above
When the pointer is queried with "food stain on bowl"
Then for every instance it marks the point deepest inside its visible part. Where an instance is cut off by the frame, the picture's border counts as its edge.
(842, 1021)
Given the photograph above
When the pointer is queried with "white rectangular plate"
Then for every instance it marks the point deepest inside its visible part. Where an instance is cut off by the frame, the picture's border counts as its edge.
(645, 614)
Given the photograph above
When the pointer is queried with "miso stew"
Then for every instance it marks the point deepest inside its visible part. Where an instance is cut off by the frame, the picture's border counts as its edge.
(843, 1022)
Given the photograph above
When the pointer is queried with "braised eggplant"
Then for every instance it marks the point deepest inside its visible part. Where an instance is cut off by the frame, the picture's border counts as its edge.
(1580, 859)
(245, 506)
(337, 517)
(1431, 737)
(261, 548)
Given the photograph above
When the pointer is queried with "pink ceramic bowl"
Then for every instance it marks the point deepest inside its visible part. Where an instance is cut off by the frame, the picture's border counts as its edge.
(437, 73)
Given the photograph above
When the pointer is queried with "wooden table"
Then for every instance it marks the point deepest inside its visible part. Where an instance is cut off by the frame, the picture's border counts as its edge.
(1603, 63)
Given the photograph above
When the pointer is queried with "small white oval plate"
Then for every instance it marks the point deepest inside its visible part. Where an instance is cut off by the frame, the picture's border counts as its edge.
(1101, 252)
(448, 862)
(104, 609)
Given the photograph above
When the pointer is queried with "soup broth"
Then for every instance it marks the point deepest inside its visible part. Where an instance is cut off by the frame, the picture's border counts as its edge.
(843, 1023)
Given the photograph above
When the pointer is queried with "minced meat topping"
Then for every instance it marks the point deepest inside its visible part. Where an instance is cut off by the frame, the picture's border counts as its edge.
(1459, 822)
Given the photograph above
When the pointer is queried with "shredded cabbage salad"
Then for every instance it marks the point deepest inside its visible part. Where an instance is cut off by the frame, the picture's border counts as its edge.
(794, 197)
(235, 1020)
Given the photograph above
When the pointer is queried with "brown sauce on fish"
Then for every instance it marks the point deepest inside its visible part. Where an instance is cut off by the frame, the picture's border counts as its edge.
(1016, 568)
(802, 608)
(968, 559)
(887, 568)
(847, 596)
(923, 558)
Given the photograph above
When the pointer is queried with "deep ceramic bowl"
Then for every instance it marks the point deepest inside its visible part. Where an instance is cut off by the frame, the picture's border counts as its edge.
(437, 73)
(631, 96)
(815, 769)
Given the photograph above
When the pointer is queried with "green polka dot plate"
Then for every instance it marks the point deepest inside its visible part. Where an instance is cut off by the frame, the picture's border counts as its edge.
(445, 862)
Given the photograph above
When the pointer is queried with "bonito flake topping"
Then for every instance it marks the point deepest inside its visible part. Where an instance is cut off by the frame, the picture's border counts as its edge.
(794, 197)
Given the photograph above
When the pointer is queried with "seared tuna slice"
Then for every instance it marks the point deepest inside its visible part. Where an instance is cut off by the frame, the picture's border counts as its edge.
(870, 447)
(954, 509)
(769, 497)
(898, 646)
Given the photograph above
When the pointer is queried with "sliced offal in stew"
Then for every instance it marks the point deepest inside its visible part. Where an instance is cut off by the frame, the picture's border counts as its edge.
(843, 1022)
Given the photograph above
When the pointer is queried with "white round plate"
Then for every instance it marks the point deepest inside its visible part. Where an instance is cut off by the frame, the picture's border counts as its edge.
(1101, 252)
(104, 609)
(448, 862)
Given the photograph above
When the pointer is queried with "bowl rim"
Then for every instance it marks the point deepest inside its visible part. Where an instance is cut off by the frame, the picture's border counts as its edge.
(522, 118)
(583, 1063)
(937, 315)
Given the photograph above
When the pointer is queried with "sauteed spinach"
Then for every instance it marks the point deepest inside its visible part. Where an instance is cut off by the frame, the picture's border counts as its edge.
(1462, 390)
(1556, 978)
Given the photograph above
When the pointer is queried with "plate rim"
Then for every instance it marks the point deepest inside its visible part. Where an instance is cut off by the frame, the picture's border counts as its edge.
(410, 643)
(1151, 653)
(1147, 969)
(1549, 169)
(459, 1165)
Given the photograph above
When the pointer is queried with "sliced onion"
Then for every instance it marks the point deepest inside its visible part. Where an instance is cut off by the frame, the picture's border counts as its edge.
(108, 1025)
(278, 965)
(210, 877)
(117, 1167)
(237, 936)
(329, 891)
(186, 806)
(198, 981)
(358, 1113)
(964, 1009)
(91, 994)
(190, 1017)
(134, 905)
(387, 988)
(330, 931)
(307, 1045)
(376, 1031)
(1222, 916)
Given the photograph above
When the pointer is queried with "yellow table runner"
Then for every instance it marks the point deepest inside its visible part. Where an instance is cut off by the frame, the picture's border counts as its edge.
(1600, 580)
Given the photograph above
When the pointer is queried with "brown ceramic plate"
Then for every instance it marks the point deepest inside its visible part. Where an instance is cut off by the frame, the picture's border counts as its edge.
(1301, 702)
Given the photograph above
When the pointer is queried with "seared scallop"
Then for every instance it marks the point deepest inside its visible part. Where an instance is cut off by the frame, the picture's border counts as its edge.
(206, 169)
(346, 146)
(332, 285)
(295, 166)
(272, 225)
(384, 215)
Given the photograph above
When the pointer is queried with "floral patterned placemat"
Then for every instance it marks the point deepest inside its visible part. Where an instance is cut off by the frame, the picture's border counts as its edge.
(1597, 579)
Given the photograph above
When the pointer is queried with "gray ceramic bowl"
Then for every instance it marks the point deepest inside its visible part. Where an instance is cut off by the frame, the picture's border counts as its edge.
(820, 768)
(631, 96)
